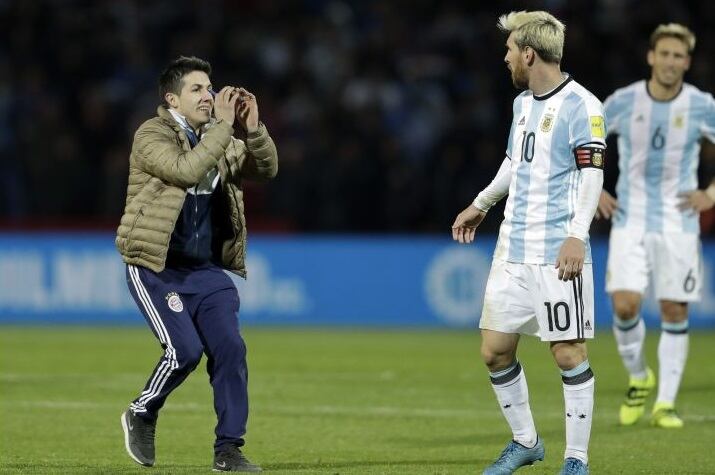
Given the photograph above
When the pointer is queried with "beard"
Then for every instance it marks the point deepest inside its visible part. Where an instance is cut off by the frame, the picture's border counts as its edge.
(668, 80)
(519, 76)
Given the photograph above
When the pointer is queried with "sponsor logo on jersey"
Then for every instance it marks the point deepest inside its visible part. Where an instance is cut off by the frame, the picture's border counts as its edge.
(678, 122)
(174, 302)
(598, 129)
(522, 121)
(547, 123)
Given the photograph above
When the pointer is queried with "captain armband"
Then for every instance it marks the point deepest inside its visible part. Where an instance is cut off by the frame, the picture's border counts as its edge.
(590, 157)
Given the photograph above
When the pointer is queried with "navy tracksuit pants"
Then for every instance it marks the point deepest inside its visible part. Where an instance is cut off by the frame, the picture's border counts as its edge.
(193, 310)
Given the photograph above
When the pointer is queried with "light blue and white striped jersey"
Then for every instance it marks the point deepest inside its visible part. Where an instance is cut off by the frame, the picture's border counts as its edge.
(544, 185)
(659, 150)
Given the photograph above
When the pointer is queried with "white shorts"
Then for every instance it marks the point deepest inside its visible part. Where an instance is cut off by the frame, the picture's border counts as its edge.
(670, 261)
(530, 299)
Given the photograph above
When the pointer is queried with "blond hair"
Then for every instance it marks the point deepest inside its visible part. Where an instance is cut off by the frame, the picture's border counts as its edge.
(539, 29)
(673, 30)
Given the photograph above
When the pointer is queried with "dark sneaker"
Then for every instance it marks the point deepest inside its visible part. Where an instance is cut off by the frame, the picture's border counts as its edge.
(139, 438)
(232, 460)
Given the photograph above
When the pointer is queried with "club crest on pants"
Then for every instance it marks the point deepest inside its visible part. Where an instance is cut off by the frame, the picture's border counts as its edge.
(174, 302)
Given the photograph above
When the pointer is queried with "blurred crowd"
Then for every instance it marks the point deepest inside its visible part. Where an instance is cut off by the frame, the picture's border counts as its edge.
(389, 116)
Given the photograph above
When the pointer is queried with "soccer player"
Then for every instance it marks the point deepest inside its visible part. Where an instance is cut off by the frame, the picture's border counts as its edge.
(541, 279)
(655, 231)
(183, 225)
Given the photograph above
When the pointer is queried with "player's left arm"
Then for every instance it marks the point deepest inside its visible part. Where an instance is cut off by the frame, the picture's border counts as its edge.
(613, 108)
(573, 251)
(702, 200)
(587, 134)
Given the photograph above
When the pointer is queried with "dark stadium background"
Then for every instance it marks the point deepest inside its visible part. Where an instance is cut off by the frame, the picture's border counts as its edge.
(389, 116)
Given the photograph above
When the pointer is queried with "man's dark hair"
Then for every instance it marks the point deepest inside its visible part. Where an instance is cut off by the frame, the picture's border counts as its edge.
(171, 78)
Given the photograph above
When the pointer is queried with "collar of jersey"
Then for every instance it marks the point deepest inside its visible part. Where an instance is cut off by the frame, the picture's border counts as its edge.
(555, 90)
(647, 90)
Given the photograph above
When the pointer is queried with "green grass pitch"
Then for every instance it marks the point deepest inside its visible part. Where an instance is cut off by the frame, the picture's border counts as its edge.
(326, 401)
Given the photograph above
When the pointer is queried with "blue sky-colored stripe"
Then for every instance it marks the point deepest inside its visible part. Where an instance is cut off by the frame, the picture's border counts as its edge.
(557, 205)
(688, 180)
(660, 122)
(625, 111)
(674, 326)
(517, 237)
(570, 373)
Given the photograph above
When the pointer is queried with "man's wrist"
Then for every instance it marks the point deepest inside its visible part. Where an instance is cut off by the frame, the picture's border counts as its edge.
(481, 204)
(579, 237)
(223, 120)
(254, 132)
(710, 192)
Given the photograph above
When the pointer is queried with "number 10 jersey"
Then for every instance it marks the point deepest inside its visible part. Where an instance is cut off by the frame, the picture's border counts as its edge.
(551, 138)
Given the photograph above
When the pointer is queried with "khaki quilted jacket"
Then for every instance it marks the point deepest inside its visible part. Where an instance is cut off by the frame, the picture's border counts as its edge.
(162, 165)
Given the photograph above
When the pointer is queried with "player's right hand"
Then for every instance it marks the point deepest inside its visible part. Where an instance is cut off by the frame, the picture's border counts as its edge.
(465, 225)
(607, 206)
(225, 105)
(570, 259)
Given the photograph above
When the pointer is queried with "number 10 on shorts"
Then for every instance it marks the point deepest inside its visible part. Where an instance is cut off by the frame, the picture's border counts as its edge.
(558, 316)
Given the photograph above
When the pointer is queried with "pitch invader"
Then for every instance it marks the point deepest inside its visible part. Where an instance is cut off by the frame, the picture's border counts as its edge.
(541, 279)
(655, 233)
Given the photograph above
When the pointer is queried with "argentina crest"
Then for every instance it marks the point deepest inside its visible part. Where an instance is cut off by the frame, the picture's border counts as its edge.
(597, 159)
(547, 123)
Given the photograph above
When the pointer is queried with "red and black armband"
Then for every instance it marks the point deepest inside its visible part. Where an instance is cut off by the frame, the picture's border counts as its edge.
(590, 157)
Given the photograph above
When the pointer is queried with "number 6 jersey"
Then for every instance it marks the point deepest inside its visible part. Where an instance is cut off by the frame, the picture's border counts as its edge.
(552, 138)
(659, 149)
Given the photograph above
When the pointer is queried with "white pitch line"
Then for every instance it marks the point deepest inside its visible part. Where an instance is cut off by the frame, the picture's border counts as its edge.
(82, 405)
(325, 410)
(32, 377)
(284, 410)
